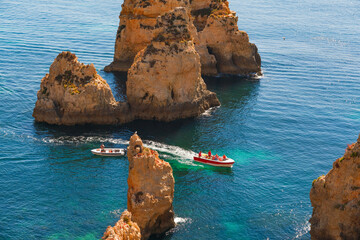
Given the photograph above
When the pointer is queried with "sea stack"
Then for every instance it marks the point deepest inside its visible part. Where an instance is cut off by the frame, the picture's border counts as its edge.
(219, 38)
(150, 189)
(137, 29)
(124, 229)
(336, 199)
(222, 47)
(73, 93)
(164, 82)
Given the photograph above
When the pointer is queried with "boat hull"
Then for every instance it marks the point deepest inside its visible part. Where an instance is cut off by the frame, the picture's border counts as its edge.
(109, 152)
(225, 163)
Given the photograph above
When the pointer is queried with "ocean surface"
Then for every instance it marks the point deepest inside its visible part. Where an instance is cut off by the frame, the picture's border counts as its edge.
(283, 130)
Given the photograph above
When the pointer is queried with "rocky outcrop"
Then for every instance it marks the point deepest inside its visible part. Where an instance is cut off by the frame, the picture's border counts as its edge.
(73, 93)
(124, 229)
(165, 83)
(150, 189)
(137, 28)
(336, 199)
(222, 47)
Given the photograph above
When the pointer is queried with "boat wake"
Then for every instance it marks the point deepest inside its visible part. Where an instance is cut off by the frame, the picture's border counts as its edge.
(167, 152)
(83, 139)
(170, 152)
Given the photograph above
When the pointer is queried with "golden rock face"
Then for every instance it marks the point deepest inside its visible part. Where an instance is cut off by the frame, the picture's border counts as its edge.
(150, 189)
(124, 229)
(165, 82)
(222, 47)
(73, 93)
(336, 199)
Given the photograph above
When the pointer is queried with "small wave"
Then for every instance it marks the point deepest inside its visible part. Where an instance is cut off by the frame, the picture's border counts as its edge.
(116, 213)
(180, 220)
(209, 112)
(258, 76)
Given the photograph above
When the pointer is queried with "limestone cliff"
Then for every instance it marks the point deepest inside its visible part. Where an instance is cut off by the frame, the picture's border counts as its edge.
(165, 83)
(137, 28)
(218, 33)
(222, 47)
(150, 189)
(124, 229)
(336, 199)
(73, 93)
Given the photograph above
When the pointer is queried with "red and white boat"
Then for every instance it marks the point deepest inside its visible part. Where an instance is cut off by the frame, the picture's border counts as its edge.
(214, 160)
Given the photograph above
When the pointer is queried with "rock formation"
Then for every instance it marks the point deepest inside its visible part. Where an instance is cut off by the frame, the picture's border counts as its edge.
(73, 93)
(165, 83)
(150, 189)
(137, 28)
(336, 199)
(222, 47)
(124, 229)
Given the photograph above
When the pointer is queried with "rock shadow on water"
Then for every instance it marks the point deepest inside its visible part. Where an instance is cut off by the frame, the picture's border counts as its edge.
(117, 83)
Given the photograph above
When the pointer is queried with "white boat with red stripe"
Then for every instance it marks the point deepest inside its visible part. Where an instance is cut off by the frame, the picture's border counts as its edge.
(109, 152)
(214, 160)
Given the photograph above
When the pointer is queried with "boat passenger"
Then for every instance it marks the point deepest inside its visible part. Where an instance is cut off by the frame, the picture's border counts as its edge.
(102, 148)
(224, 157)
(209, 153)
(200, 154)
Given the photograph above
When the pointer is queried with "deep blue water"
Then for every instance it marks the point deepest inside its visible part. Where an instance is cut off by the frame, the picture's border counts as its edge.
(283, 130)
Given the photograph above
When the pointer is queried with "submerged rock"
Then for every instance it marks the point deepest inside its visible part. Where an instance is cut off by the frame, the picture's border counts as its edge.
(165, 83)
(73, 93)
(222, 47)
(336, 199)
(124, 229)
(150, 189)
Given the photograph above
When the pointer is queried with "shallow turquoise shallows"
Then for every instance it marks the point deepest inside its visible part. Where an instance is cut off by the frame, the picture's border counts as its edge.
(283, 130)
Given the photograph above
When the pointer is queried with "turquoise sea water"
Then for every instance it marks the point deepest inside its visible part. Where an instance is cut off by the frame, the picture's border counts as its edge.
(283, 130)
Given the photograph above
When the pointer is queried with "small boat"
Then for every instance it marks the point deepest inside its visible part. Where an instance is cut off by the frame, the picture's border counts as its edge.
(109, 152)
(214, 160)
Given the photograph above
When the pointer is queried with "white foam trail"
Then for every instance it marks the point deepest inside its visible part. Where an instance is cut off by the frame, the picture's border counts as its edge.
(182, 155)
(12, 134)
(168, 152)
(83, 139)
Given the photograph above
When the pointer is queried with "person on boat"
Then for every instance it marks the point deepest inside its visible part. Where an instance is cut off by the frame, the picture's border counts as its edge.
(216, 157)
(224, 157)
(102, 148)
(209, 153)
(200, 154)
